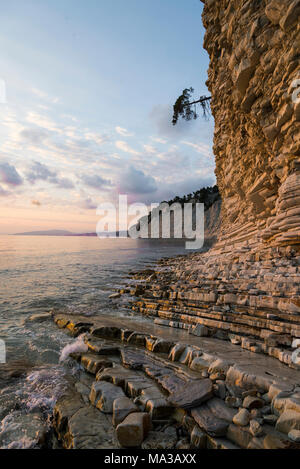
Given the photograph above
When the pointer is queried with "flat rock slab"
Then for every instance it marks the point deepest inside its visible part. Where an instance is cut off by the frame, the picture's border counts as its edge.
(208, 422)
(90, 429)
(192, 394)
(101, 347)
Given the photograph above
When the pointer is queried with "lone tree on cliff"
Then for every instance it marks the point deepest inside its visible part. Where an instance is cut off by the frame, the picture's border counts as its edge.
(187, 109)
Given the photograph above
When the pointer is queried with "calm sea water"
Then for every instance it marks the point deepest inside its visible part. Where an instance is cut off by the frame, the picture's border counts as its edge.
(38, 274)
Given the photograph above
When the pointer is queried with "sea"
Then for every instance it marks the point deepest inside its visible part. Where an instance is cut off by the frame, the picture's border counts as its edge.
(39, 274)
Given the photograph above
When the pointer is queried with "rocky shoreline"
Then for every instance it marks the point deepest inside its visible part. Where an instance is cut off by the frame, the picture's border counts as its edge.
(153, 387)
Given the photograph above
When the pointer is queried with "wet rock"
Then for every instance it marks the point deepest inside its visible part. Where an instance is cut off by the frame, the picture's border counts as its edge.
(133, 430)
(64, 409)
(88, 428)
(183, 444)
(270, 419)
(252, 402)
(239, 436)
(176, 352)
(93, 363)
(198, 438)
(242, 418)
(208, 422)
(288, 420)
(193, 394)
(276, 441)
(294, 435)
(234, 402)
(200, 331)
(255, 428)
(103, 395)
(137, 339)
(220, 409)
(159, 440)
(106, 332)
(114, 296)
(122, 407)
(23, 431)
(40, 317)
(101, 348)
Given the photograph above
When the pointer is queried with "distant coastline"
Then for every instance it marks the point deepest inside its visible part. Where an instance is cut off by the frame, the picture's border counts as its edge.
(64, 233)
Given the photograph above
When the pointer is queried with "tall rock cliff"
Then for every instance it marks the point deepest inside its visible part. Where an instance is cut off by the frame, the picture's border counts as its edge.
(246, 288)
(254, 49)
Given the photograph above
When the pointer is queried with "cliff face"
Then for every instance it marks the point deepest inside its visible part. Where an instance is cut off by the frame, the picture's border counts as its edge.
(254, 49)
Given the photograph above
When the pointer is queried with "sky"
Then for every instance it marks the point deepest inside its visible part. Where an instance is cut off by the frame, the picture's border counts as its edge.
(86, 95)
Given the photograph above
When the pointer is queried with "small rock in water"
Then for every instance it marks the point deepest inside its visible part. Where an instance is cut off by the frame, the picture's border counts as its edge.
(114, 296)
(40, 317)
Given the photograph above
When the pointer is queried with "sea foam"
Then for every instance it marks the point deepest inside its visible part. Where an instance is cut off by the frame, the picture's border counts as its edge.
(79, 346)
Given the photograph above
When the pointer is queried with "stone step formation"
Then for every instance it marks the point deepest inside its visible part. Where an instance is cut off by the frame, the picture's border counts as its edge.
(249, 298)
(135, 389)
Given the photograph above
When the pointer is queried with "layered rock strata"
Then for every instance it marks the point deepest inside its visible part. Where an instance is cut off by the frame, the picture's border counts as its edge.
(249, 298)
(254, 74)
(140, 396)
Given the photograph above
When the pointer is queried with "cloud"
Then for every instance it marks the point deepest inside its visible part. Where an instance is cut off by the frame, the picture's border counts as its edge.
(88, 204)
(123, 132)
(159, 140)
(125, 147)
(34, 136)
(43, 122)
(3, 193)
(9, 175)
(150, 149)
(42, 95)
(97, 138)
(96, 182)
(41, 172)
(200, 148)
(135, 181)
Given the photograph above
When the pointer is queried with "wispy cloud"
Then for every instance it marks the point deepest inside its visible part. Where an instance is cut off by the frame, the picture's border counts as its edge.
(121, 145)
(200, 148)
(123, 132)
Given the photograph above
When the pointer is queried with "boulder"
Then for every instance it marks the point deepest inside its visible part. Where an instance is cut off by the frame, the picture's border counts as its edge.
(242, 418)
(103, 395)
(133, 430)
(288, 420)
(252, 402)
(122, 407)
